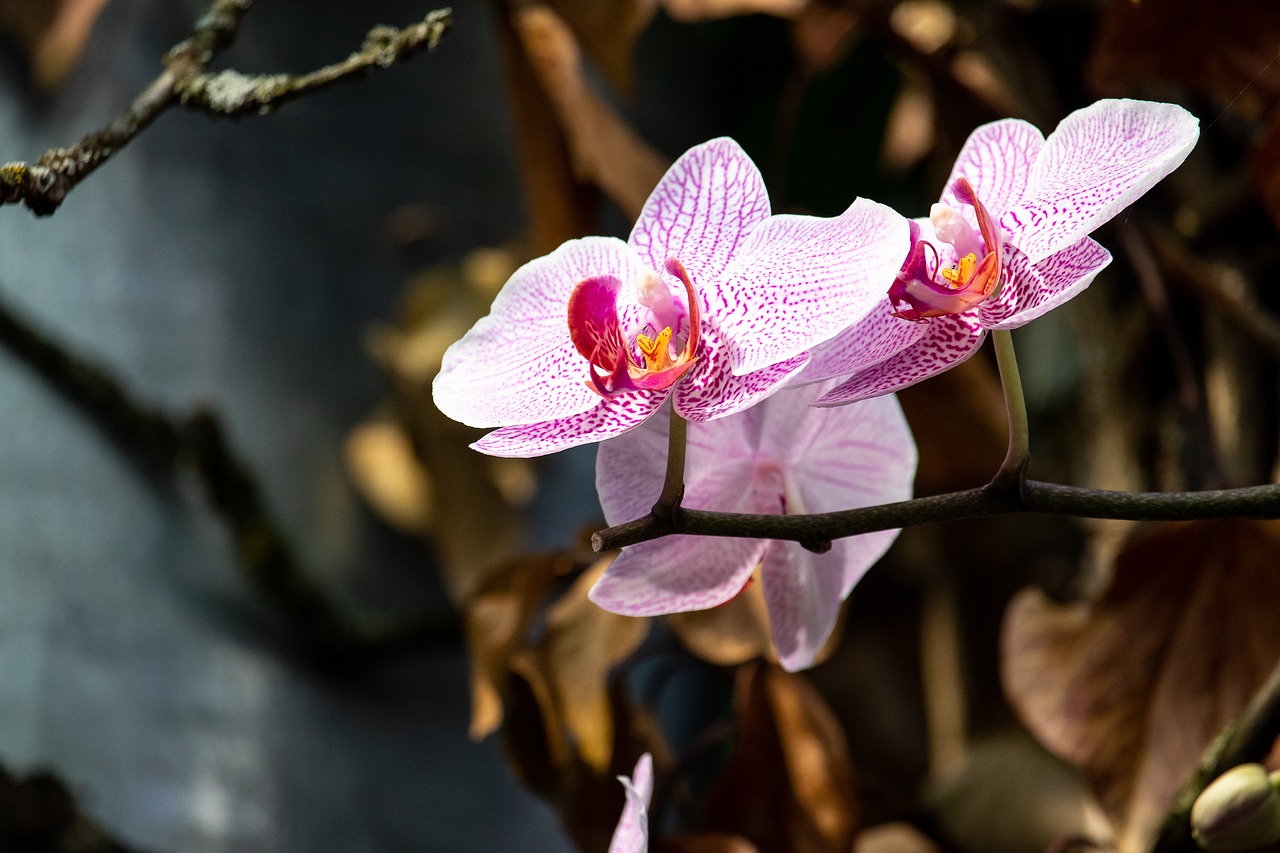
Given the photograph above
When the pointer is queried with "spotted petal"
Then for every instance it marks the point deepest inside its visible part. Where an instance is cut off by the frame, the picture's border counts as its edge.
(1097, 162)
(710, 391)
(677, 573)
(948, 341)
(518, 365)
(632, 833)
(1031, 291)
(701, 210)
(997, 159)
(799, 280)
(870, 341)
(611, 416)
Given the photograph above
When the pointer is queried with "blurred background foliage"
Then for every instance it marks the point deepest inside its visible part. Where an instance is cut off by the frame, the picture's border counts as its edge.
(1010, 684)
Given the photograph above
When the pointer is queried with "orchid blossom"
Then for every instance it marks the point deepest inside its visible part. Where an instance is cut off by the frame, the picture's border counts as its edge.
(632, 834)
(713, 303)
(783, 456)
(1008, 241)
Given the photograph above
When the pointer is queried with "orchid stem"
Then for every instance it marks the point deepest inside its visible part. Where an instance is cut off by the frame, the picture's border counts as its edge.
(1014, 466)
(673, 485)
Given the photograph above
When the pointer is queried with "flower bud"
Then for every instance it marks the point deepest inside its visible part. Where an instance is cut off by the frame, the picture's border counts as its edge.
(1240, 810)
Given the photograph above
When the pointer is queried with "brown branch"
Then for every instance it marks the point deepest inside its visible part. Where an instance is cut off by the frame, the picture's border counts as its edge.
(42, 186)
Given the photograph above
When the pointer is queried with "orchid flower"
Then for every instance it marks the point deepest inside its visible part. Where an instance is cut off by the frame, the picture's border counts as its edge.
(632, 834)
(713, 303)
(1008, 241)
(783, 456)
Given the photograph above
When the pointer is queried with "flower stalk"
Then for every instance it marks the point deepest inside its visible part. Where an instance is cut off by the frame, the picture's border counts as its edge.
(673, 484)
(1013, 469)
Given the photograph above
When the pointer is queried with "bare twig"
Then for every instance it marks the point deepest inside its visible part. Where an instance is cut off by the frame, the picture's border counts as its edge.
(42, 186)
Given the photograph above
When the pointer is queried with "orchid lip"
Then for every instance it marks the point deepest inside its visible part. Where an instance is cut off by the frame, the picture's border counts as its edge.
(917, 293)
(647, 360)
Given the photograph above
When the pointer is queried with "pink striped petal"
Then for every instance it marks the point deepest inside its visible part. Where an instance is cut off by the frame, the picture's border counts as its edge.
(948, 341)
(997, 160)
(1031, 291)
(799, 280)
(701, 210)
(870, 341)
(710, 391)
(610, 417)
(518, 365)
(1096, 163)
(632, 833)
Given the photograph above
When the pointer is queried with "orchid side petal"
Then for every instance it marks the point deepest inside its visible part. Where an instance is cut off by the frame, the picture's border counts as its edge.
(948, 341)
(1097, 162)
(702, 209)
(677, 574)
(997, 159)
(1031, 291)
(518, 365)
(710, 391)
(799, 280)
(632, 832)
(611, 416)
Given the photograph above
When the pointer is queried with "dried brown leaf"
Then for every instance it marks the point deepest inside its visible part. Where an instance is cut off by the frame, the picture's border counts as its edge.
(602, 147)
(894, 838)
(1225, 49)
(705, 842)
(789, 787)
(731, 634)
(583, 643)
(389, 476)
(1132, 688)
(608, 29)
(53, 34)
(691, 11)
(497, 623)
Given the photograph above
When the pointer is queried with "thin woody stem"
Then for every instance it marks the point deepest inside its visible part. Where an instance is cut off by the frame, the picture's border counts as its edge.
(1015, 404)
(673, 486)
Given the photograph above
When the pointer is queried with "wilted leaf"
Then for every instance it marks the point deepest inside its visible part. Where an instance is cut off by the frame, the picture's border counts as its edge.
(789, 787)
(561, 206)
(731, 634)
(497, 624)
(1011, 795)
(52, 32)
(690, 11)
(1133, 687)
(602, 147)
(608, 29)
(380, 458)
(1225, 49)
(894, 838)
(583, 643)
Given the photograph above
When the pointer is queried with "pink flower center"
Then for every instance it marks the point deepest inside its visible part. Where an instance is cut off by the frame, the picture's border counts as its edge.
(918, 294)
(659, 349)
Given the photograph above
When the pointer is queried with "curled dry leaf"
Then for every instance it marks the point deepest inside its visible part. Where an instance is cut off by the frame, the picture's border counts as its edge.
(53, 33)
(731, 634)
(608, 29)
(789, 787)
(1133, 687)
(894, 838)
(690, 11)
(603, 148)
(380, 458)
(582, 645)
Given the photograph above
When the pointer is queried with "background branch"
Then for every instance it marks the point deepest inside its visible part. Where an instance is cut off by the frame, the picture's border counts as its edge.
(42, 186)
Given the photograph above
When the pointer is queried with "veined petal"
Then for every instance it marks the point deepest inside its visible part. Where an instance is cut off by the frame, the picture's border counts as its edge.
(1096, 163)
(632, 833)
(799, 280)
(518, 365)
(610, 417)
(871, 340)
(947, 341)
(710, 391)
(997, 159)
(702, 209)
(802, 591)
(1030, 291)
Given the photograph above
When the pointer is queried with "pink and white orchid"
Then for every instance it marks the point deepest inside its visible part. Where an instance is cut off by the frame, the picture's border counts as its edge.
(632, 834)
(1008, 242)
(713, 303)
(783, 456)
